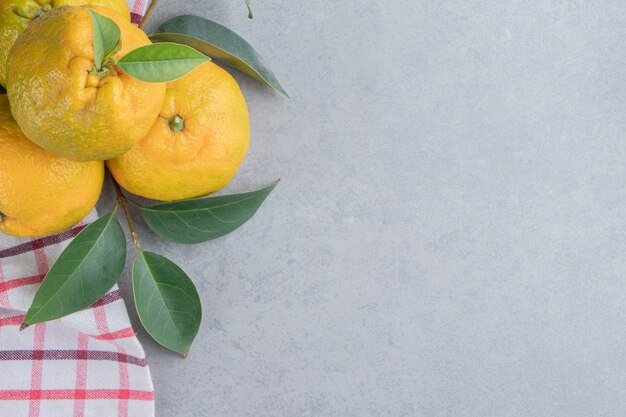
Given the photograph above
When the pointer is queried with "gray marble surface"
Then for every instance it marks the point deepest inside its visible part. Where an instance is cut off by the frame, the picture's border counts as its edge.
(448, 238)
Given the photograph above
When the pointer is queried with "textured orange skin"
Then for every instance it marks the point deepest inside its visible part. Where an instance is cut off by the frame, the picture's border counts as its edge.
(41, 193)
(204, 156)
(12, 24)
(46, 84)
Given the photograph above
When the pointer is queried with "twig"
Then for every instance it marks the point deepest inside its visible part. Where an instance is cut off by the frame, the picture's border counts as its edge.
(122, 201)
(153, 4)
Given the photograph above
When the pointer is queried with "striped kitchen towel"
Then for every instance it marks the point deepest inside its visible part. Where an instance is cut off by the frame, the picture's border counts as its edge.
(87, 364)
(137, 9)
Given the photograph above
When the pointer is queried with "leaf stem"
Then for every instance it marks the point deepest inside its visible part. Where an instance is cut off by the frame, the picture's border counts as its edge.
(153, 4)
(122, 200)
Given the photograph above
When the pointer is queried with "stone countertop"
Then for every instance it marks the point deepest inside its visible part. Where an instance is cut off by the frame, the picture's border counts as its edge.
(448, 238)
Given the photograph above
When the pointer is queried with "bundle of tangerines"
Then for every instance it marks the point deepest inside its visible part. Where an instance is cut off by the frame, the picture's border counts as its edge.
(85, 88)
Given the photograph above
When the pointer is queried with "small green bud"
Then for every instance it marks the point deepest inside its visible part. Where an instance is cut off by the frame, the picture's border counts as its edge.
(176, 123)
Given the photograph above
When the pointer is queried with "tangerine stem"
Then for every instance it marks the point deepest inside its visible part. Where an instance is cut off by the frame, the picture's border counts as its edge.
(153, 4)
(122, 201)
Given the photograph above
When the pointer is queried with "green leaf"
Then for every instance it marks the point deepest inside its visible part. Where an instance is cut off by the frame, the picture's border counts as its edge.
(220, 43)
(106, 37)
(161, 62)
(199, 220)
(250, 16)
(85, 271)
(167, 302)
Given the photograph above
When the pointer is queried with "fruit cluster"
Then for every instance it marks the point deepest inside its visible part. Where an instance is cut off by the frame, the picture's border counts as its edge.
(86, 88)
